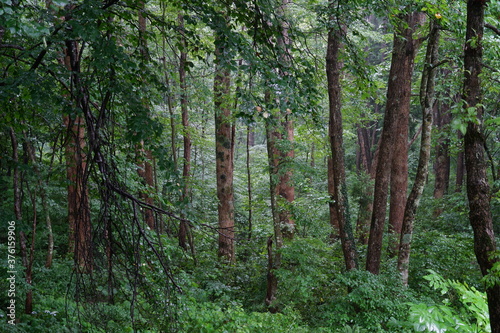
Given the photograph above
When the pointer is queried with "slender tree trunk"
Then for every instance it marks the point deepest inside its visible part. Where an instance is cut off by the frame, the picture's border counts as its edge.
(15, 177)
(274, 257)
(341, 204)
(442, 162)
(366, 170)
(223, 151)
(398, 101)
(249, 183)
(334, 220)
(427, 101)
(186, 169)
(478, 190)
(145, 156)
(77, 173)
(460, 172)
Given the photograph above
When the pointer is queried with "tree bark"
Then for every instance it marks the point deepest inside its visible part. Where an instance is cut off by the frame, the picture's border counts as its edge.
(399, 165)
(223, 152)
(478, 190)
(76, 169)
(184, 231)
(249, 182)
(427, 101)
(341, 204)
(442, 162)
(334, 221)
(145, 156)
(460, 172)
(398, 101)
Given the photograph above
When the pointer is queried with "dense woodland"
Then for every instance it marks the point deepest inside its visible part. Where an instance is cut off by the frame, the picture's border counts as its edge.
(260, 166)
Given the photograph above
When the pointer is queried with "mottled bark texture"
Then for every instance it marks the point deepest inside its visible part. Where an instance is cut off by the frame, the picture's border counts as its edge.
(478, 190)
(397, 107)
(427, 101)
(224, 152)
(341, 204)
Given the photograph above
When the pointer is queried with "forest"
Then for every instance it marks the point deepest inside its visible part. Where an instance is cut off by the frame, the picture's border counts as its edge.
(249, 166)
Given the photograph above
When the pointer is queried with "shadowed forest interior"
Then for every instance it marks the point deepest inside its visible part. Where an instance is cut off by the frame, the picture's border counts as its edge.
(263, 166)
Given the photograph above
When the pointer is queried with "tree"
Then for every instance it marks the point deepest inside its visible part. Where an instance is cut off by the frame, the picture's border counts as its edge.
(427, 101)
(333, 68)
(398, 103)
(224, 145)
(478, 190)
(186, 166)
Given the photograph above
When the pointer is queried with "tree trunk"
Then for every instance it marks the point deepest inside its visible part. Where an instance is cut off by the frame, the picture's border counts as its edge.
(398, 101)
(442, 162)
(334, 221)
(367, 166)
(76, 169)
(427, 101)
(223, 152)
(184, 231)
(478, 190)
(145, 156)
(274, 257)
(249, 182)
(15, 177)
(460, 172)
(341, 204)
(399, 166)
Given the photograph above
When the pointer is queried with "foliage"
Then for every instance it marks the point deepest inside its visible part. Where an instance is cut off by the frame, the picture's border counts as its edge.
(465, 309)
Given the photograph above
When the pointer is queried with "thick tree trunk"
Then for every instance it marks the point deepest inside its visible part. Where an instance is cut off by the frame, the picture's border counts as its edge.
(427, 101)
(398, 101)
(341, 204)
(223, 153)
(478, 190)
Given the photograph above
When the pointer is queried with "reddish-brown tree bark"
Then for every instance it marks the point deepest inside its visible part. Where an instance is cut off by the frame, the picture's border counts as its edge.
(399, 165)
(224, 152)
(398, 101)
(427, 101)
(80, 241)
(333, 68)
(478, 190)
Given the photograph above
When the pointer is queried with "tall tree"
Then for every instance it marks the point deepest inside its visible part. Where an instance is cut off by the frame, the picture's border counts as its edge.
(333, 68)
(224, 143)
(478, 190)
(427, 101)
(442, 116)
(144, 154)
(280, 135)
(398, 104)
(399, 163)
(186, 135)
